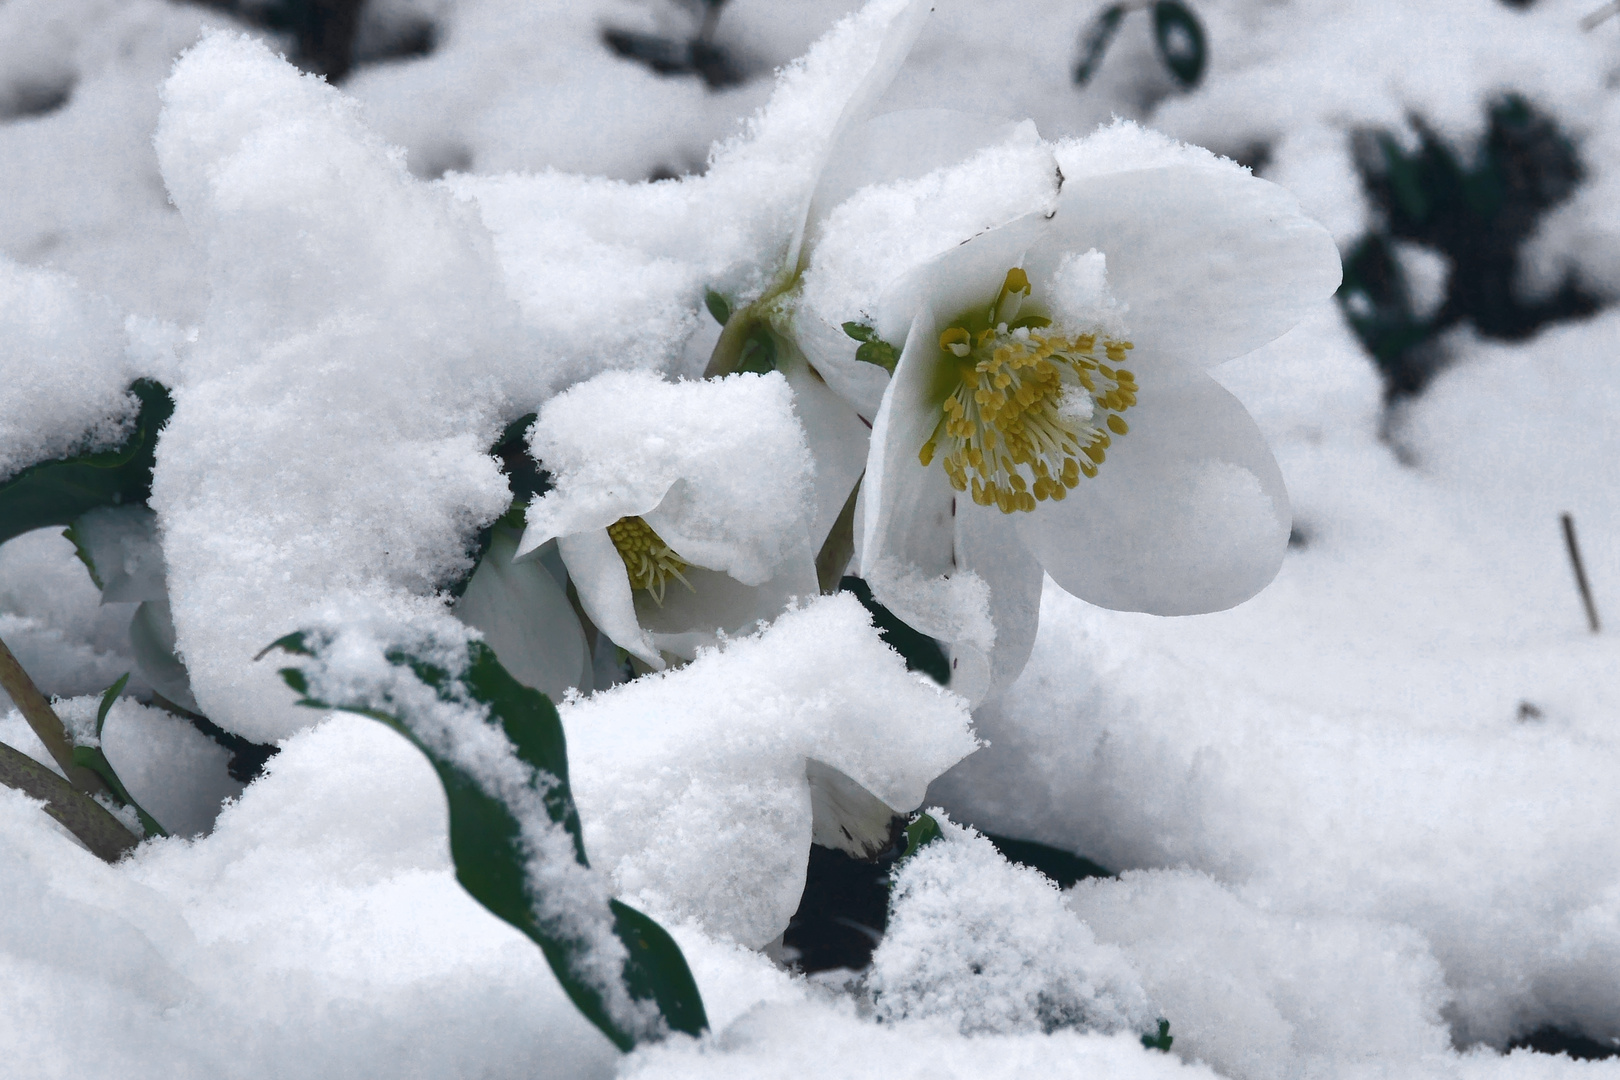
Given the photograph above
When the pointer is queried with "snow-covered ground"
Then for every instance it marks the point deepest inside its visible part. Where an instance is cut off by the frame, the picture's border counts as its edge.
(1364, 823)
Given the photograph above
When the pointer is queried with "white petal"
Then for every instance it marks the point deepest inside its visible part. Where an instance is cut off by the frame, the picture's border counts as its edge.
(1211, 261)
(967, 276)
(603, 586)
(988, 544)
(898, 37)
(845, 816)
(907, 507)
(1187, 513)
(838, 440)
(902, 145)
(526, 618)
(717, 604)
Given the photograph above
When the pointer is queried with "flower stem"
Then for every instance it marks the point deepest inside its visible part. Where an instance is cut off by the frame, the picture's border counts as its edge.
(81, 815)
(1580, 573)
(46, 724)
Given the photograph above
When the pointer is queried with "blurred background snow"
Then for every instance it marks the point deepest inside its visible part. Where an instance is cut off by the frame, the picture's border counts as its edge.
(1366, 823)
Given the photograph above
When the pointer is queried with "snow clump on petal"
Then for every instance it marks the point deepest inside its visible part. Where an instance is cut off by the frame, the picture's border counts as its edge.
(692, 783)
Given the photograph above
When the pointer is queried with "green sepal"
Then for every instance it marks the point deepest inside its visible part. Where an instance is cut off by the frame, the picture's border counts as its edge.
(57, 492)
(1181, 42)
(486, 841)
(717, 307)
(1099, 35)
(859, 331)
(1160, 1042)
(880, 353)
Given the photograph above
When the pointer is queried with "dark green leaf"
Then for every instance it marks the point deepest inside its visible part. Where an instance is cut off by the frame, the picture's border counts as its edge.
(57, 492)
(1094, 43)
(880, 353)
(1063, 867)
(922, 831)
(717, 307)
(759, 351)
(1160, 1042)
(1180, 38)
(487, 847)
(921, 652)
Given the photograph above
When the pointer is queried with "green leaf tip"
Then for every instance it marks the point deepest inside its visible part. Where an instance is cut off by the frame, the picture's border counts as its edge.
(717, 307)
(873, 349)
(1098, 36)
(1160, 1042)
(109, 696)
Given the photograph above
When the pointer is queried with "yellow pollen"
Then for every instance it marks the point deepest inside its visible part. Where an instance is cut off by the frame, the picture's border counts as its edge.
(1016, 430)
(649, 561)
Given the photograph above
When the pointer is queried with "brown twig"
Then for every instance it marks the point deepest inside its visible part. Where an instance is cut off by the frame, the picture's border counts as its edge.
(103, 834)
(1580, 573)
(46, 724)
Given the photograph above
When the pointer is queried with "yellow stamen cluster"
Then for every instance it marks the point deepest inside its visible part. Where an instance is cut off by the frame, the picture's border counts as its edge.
(649, 561)
(1017, 429)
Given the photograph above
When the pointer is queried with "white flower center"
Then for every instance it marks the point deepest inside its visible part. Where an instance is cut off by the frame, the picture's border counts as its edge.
(647, 559)
(1035, 408)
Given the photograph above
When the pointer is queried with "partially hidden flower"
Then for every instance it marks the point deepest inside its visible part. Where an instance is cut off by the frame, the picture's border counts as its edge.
(1050, 409)
(680, 510)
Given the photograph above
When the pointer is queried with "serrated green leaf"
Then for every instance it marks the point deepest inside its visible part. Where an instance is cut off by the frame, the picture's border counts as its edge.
(717, 307)
(57, 492)
(1181, 42)
(921, 652)
(1094, 43)
(486, 842)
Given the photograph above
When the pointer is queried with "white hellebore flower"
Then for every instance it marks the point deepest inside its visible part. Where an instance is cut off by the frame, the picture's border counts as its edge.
(1050, 408)
(680, 510)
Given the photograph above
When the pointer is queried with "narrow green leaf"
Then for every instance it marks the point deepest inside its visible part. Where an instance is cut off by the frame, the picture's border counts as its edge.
(717, 307)
(109, 696)
(1094, 43)
(91, 757)
(57, 492)
(1180, 38)
(489, 851)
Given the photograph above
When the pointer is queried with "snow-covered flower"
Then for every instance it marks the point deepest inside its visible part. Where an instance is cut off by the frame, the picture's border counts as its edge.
(680, 510)
(1050, 409)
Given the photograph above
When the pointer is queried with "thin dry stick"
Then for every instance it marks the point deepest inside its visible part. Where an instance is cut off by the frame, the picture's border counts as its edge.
(81, 815)
(46, 724)
(1580, 572)
(1606, 11)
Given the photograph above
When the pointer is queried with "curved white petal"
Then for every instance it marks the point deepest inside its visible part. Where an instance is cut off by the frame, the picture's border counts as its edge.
(967, 276)
(604, 592)
(526, 618)
(899, 35)
(1212, 262)
(691, 618)
(1187, 514)
(907, 507)
(989, 545)
(839, 441)
(901, 145)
